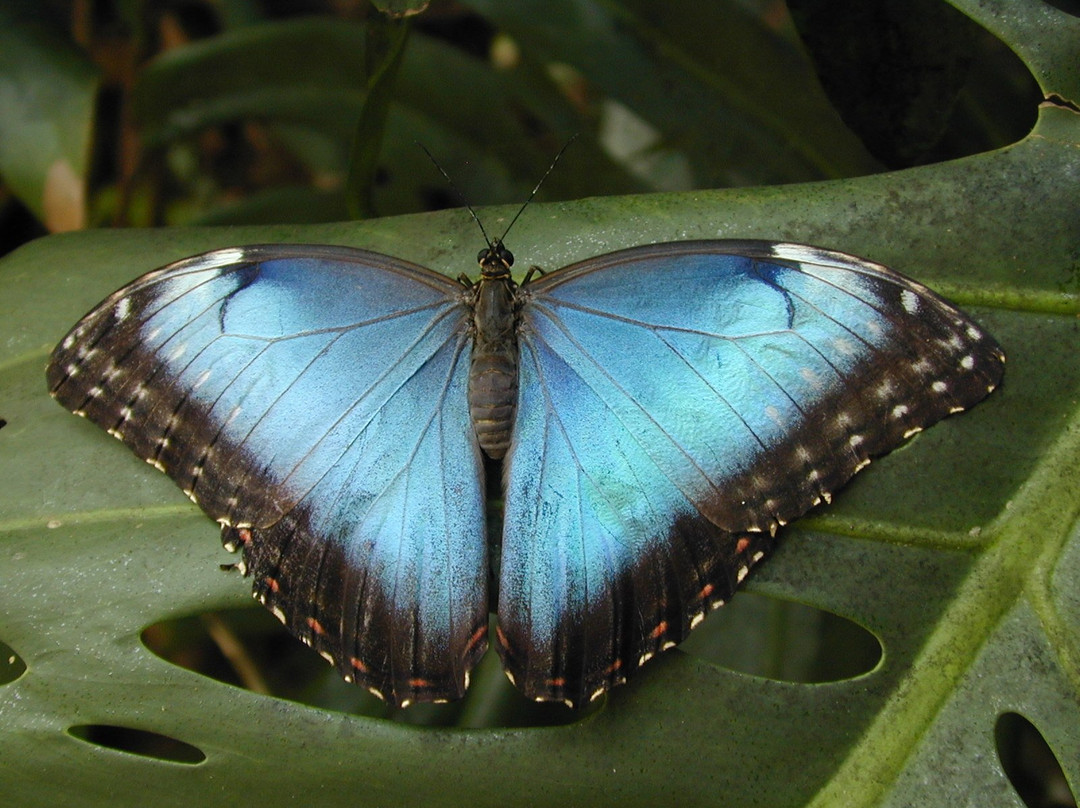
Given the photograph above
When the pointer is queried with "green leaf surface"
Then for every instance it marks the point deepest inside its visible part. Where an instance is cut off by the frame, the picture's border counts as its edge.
(959, 552)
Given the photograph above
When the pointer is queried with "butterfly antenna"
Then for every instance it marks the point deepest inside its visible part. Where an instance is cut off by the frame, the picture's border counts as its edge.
(537, 188)
(460, 195)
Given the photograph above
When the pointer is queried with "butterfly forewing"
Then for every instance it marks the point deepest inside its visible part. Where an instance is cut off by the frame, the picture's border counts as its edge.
(678, 404)
(313, 401)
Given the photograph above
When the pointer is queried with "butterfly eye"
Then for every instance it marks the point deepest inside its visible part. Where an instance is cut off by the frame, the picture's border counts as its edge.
(495, 255)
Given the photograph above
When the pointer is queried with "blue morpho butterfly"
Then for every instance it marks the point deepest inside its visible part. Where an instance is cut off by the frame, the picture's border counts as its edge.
(662, 410)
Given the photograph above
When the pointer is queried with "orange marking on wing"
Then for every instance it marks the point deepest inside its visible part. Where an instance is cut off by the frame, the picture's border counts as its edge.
(272, 584)
(316, 626)
(358, 665)
(660, 630)
(244, 534)
(742, 544)
(419, 683)
(476, 637)
(560, 682)
(501, 637)
(614, 666)
(705, 592)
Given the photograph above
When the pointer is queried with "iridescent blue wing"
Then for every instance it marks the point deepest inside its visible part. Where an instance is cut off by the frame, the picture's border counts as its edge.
(677, 404)
(313, 401)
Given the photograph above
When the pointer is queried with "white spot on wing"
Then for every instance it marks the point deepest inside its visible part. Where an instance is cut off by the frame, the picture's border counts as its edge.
(910, 301)
(844, 346)
(217, 258)
(885, 389)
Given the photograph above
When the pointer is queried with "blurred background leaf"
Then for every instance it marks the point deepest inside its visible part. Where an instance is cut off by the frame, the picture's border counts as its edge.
(48, 89)
(256, 111)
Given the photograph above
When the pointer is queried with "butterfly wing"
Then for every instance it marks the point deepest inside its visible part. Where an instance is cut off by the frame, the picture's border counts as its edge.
(312, 400)
(680, 402)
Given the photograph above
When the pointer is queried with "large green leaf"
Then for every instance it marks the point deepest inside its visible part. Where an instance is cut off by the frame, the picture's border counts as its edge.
(961, 552)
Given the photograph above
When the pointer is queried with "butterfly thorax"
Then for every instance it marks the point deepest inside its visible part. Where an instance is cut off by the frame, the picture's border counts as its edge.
(494, 370)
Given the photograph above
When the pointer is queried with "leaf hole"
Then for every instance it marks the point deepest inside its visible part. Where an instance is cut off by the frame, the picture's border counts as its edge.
(1030, 764)
(785, 641)
(11, 664)
(138, 742)
(248, 648)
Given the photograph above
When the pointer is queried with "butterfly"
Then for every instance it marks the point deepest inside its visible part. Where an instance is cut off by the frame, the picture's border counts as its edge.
(660, 412)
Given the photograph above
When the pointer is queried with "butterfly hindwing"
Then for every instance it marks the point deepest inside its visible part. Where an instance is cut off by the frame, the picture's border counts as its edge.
(313, 401)
(680, 402)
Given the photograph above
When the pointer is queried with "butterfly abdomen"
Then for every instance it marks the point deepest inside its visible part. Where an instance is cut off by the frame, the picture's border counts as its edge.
(493, 375)
(492, 400)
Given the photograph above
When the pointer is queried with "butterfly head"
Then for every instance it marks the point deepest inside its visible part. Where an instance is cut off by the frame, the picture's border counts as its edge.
(495, 260)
